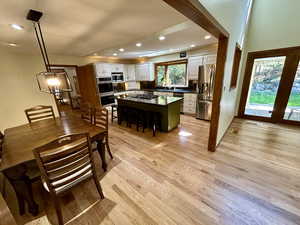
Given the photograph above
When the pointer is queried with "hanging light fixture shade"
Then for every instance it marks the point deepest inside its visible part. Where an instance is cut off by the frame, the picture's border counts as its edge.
(49, 81)
(53, 82)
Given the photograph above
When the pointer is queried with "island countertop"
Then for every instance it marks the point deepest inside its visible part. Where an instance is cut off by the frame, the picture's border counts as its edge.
(160, 100)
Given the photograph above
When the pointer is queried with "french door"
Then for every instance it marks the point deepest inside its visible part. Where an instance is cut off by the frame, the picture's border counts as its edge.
(271, 88)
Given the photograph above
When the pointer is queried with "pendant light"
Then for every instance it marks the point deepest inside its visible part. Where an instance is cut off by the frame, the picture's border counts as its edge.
(48, 81)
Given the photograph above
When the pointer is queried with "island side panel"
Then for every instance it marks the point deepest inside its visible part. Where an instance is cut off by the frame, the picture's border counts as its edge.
(173, 115)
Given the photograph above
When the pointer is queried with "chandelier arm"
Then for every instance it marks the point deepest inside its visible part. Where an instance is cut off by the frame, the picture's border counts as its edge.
(44, 47)
(40, 45)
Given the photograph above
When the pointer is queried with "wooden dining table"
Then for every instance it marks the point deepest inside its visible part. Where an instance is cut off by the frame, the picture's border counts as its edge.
(20, 141)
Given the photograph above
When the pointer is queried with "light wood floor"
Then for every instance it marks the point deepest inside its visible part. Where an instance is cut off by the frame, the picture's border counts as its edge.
(253, 178)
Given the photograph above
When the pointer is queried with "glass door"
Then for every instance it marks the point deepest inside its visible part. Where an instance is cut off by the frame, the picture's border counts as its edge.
(265, 79)
(292, 111)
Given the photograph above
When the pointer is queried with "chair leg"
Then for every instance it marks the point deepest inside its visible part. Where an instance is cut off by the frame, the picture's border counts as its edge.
(98, 186)
(107, 147)
(58, 210)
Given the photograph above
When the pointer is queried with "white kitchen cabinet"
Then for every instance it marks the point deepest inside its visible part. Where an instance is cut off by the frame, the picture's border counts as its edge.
(129, 72)
(144, 72)
(189, 103)
(210, 59)
(115, 67)
(193, 67)
(103, 69)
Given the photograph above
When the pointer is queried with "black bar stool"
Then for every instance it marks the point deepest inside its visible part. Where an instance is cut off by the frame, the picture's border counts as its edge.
(155, 122)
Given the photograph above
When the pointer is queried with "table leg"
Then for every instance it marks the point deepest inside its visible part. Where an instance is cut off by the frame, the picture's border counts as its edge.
(22, 186)
(101, 150)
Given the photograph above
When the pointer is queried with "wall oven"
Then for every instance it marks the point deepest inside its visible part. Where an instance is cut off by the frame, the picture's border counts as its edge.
(117, 77)
(106, 91)
(105, 85)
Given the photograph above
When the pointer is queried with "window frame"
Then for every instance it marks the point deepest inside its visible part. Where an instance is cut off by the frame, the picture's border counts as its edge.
(236, 66)
(170, 63)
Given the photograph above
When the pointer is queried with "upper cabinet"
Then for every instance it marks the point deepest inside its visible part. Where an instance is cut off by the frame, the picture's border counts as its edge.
(144, 72)
(129, 72)
(195, 61)
(103, 69)
(193, 67)
(117, 67)
(210, 59)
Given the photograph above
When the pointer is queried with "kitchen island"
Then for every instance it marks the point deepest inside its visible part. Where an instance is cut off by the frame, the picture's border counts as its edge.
(167, 107)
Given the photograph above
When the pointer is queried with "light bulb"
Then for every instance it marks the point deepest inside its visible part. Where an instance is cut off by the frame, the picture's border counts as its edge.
(53, 82)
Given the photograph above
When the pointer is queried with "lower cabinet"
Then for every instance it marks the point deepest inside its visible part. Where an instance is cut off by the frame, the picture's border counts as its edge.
(189, 103)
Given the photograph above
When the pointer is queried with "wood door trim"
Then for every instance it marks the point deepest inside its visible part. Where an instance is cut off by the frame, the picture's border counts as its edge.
(245, 87)
(285, 87)
(195, 11)
(219, 77)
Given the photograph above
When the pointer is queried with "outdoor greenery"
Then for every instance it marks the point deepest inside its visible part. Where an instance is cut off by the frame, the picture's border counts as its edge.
(263, 98)
(175, 76)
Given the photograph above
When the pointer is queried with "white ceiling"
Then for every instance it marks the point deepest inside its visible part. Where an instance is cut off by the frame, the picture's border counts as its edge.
(83, 27)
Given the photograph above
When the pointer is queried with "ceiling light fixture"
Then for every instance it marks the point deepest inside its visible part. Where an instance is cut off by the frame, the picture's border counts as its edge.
(17, 26)
(121, 49)
(95, 54)
(138, 44)
(12, 44)
(161, 38)
(115, 54)
(192, 46)
(207, 37)
(48, 81)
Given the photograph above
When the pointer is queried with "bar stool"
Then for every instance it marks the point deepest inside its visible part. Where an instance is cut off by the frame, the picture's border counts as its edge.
(114, 108)
(155, 122)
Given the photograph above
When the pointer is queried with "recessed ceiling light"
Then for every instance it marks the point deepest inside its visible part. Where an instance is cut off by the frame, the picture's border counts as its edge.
(121, 50)
(138, 44)
(12, 44)
(115, 54)
(161, 38)
(140, 56)
(192, 46)
(17, 27)
(95, 54)
(207, 37)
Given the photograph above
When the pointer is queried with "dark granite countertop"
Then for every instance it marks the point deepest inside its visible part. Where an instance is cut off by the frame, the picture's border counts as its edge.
(176, 90)
(160, 100)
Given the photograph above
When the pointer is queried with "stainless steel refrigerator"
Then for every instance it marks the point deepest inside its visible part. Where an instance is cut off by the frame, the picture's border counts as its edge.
(206, 80)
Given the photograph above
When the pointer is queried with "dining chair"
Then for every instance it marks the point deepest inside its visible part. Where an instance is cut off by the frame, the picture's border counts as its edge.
(101, 120)
(39, 112)
(86, 111)
(65, 163)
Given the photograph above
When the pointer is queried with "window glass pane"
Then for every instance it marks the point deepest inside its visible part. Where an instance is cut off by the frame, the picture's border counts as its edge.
(266, 75)
(292, 111)
(176, 75)
(160, 75)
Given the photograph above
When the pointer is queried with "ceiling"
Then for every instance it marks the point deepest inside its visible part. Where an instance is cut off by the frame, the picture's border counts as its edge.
(85, 27)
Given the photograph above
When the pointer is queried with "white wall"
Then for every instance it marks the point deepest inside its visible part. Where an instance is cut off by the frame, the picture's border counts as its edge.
(232, 15)
(273, 24)
(18, 87)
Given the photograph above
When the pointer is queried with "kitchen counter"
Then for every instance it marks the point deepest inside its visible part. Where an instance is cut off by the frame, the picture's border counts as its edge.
(160, 100)
(167, 107)
(176, 90)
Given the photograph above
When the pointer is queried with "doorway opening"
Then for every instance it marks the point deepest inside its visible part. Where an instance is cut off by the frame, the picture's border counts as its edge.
(271, 88)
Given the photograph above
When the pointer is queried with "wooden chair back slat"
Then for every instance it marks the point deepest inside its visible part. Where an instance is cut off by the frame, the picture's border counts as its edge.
(86, 111)
(65, 161)
(39, 112)
(101, 118)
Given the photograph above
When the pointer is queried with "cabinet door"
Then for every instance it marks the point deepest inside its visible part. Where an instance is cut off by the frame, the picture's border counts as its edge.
(189, 103)
(131, 72)
(117, 67)
(210, 59)
(193, 67)
(142, 72)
